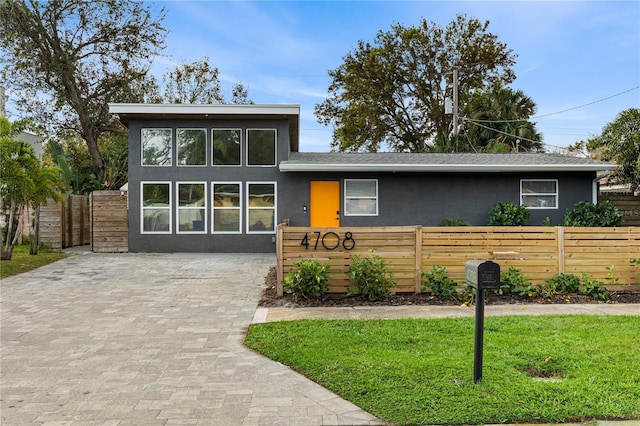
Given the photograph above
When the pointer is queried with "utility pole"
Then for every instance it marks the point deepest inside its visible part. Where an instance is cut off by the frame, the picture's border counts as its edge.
(455, 102)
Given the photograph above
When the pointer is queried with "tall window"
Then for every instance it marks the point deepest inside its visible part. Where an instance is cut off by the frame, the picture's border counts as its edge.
(192, 210)
(539, 193)
(192, 147)
(361, 197)
(156, 207)
(226, 147)
(261, 207)
(261, 147)
(156, 147)
(227, 207)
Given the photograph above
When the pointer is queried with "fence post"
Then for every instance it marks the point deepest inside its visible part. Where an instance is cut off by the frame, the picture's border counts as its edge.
(560, 238)
(418, 258)
(279, 261)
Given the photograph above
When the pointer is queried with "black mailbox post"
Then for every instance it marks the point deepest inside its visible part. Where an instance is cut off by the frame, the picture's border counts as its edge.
(483, 275)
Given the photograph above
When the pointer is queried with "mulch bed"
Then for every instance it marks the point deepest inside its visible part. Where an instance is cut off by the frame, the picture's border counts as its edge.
(269, 298)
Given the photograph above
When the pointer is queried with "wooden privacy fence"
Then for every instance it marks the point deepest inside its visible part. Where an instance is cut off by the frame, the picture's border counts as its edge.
(539, 252)
(65, 224)
(628, 203)
(109, 222)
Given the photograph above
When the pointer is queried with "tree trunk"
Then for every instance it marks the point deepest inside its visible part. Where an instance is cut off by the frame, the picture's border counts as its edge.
(34, 238)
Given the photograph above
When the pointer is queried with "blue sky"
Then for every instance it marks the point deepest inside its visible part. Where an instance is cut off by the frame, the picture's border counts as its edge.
(570, 53)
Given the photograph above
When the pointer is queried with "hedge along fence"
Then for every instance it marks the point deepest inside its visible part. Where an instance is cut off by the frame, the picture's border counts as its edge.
(539, 252)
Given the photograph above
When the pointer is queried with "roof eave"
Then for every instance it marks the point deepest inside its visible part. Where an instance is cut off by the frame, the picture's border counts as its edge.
(473, 168)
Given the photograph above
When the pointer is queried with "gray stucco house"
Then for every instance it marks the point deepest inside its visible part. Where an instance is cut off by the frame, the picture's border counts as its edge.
(219, 178)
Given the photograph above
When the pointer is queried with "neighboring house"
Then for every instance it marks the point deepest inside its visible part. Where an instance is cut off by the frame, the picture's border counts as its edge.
(219, 178)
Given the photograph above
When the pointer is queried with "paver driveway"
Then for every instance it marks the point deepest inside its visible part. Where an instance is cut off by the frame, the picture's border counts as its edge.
(148, 339)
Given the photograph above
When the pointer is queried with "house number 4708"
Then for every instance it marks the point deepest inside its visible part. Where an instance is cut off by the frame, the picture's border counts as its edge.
(329, 240)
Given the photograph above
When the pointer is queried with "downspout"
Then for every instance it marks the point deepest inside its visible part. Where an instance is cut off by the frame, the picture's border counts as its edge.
(594, 186)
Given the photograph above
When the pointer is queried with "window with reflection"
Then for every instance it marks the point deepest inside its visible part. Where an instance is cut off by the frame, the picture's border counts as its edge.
(226, 145)
(156, 147)
(227, 207)
(192, 210)
(261, 207)
(361, 197)
(156, 207)
(191, 147)
(261, 147)
(539, 193)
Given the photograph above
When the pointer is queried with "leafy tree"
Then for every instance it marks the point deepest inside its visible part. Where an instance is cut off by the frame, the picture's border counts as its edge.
(620, 142)
(68, 58)
(25, 184)
(498, 121)
(392, 92)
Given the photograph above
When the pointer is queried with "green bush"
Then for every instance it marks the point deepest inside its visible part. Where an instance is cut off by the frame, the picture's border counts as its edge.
(371, 277)
(308, 280)
(561, 284)
(454, 222)
(586, 213)
(441, 286)
(594, 288)
(506, 213)
(515, 282)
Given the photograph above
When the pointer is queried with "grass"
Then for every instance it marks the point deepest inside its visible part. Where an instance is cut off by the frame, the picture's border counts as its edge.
(417, 371)
(22, 261)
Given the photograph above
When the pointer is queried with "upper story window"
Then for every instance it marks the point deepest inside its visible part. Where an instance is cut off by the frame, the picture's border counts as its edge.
(226, 144)
(261, 147)
(539, 193)
(192, 147)
(361, 197)
(156, 147)
(156, 207)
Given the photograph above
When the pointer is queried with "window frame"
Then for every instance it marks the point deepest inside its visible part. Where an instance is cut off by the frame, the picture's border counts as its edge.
(239, 130)
(375, 198)
(204, 129)
(249, 208)
(170, 163)
(275, 147)
(143, 208)
(214, 208)
(204, 207)
(555, 194)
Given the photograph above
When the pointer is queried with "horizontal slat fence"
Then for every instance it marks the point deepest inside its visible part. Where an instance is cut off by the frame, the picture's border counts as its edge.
(110, 223)
(539, 252)
(65, 224)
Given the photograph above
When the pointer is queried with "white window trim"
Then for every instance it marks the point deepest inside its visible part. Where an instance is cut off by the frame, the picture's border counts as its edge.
(206, 144)
(275, 149)
(376, 198)
(274, 208)
(178, 208)
(142, 149)
(142, 207)
(544, 194)
(212, 150)
(214, 208)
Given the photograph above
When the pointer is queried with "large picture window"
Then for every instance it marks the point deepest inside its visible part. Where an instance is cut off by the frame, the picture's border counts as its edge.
(226, 147)
(192, 210)
(227, 207)
(361, 197)
(261, 207)
(539, 193)
(261, 147)
(192, 147)
(156, 147)
(156, 207)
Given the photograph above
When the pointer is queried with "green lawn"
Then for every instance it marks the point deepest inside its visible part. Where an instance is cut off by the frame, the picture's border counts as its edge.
(22, 261)
(415, 371)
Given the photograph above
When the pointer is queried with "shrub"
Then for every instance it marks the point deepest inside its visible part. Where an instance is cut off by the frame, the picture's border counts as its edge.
(506, 213)
(441, 286)
(308, 280)
(594, 288)
(513, 281)
(454, 222)
(371, 277)
(561, 284)
(586, 213)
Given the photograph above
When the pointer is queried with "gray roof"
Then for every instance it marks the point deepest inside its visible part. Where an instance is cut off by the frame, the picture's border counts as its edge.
(427, 162)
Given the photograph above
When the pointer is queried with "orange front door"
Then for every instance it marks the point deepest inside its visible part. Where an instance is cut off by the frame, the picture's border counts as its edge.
(325, 204)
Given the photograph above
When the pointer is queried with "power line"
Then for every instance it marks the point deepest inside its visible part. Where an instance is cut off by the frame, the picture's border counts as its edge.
(590, 103)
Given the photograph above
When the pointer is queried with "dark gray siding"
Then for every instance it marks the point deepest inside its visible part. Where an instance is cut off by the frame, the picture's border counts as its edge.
(232, 243)
(428, 198)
